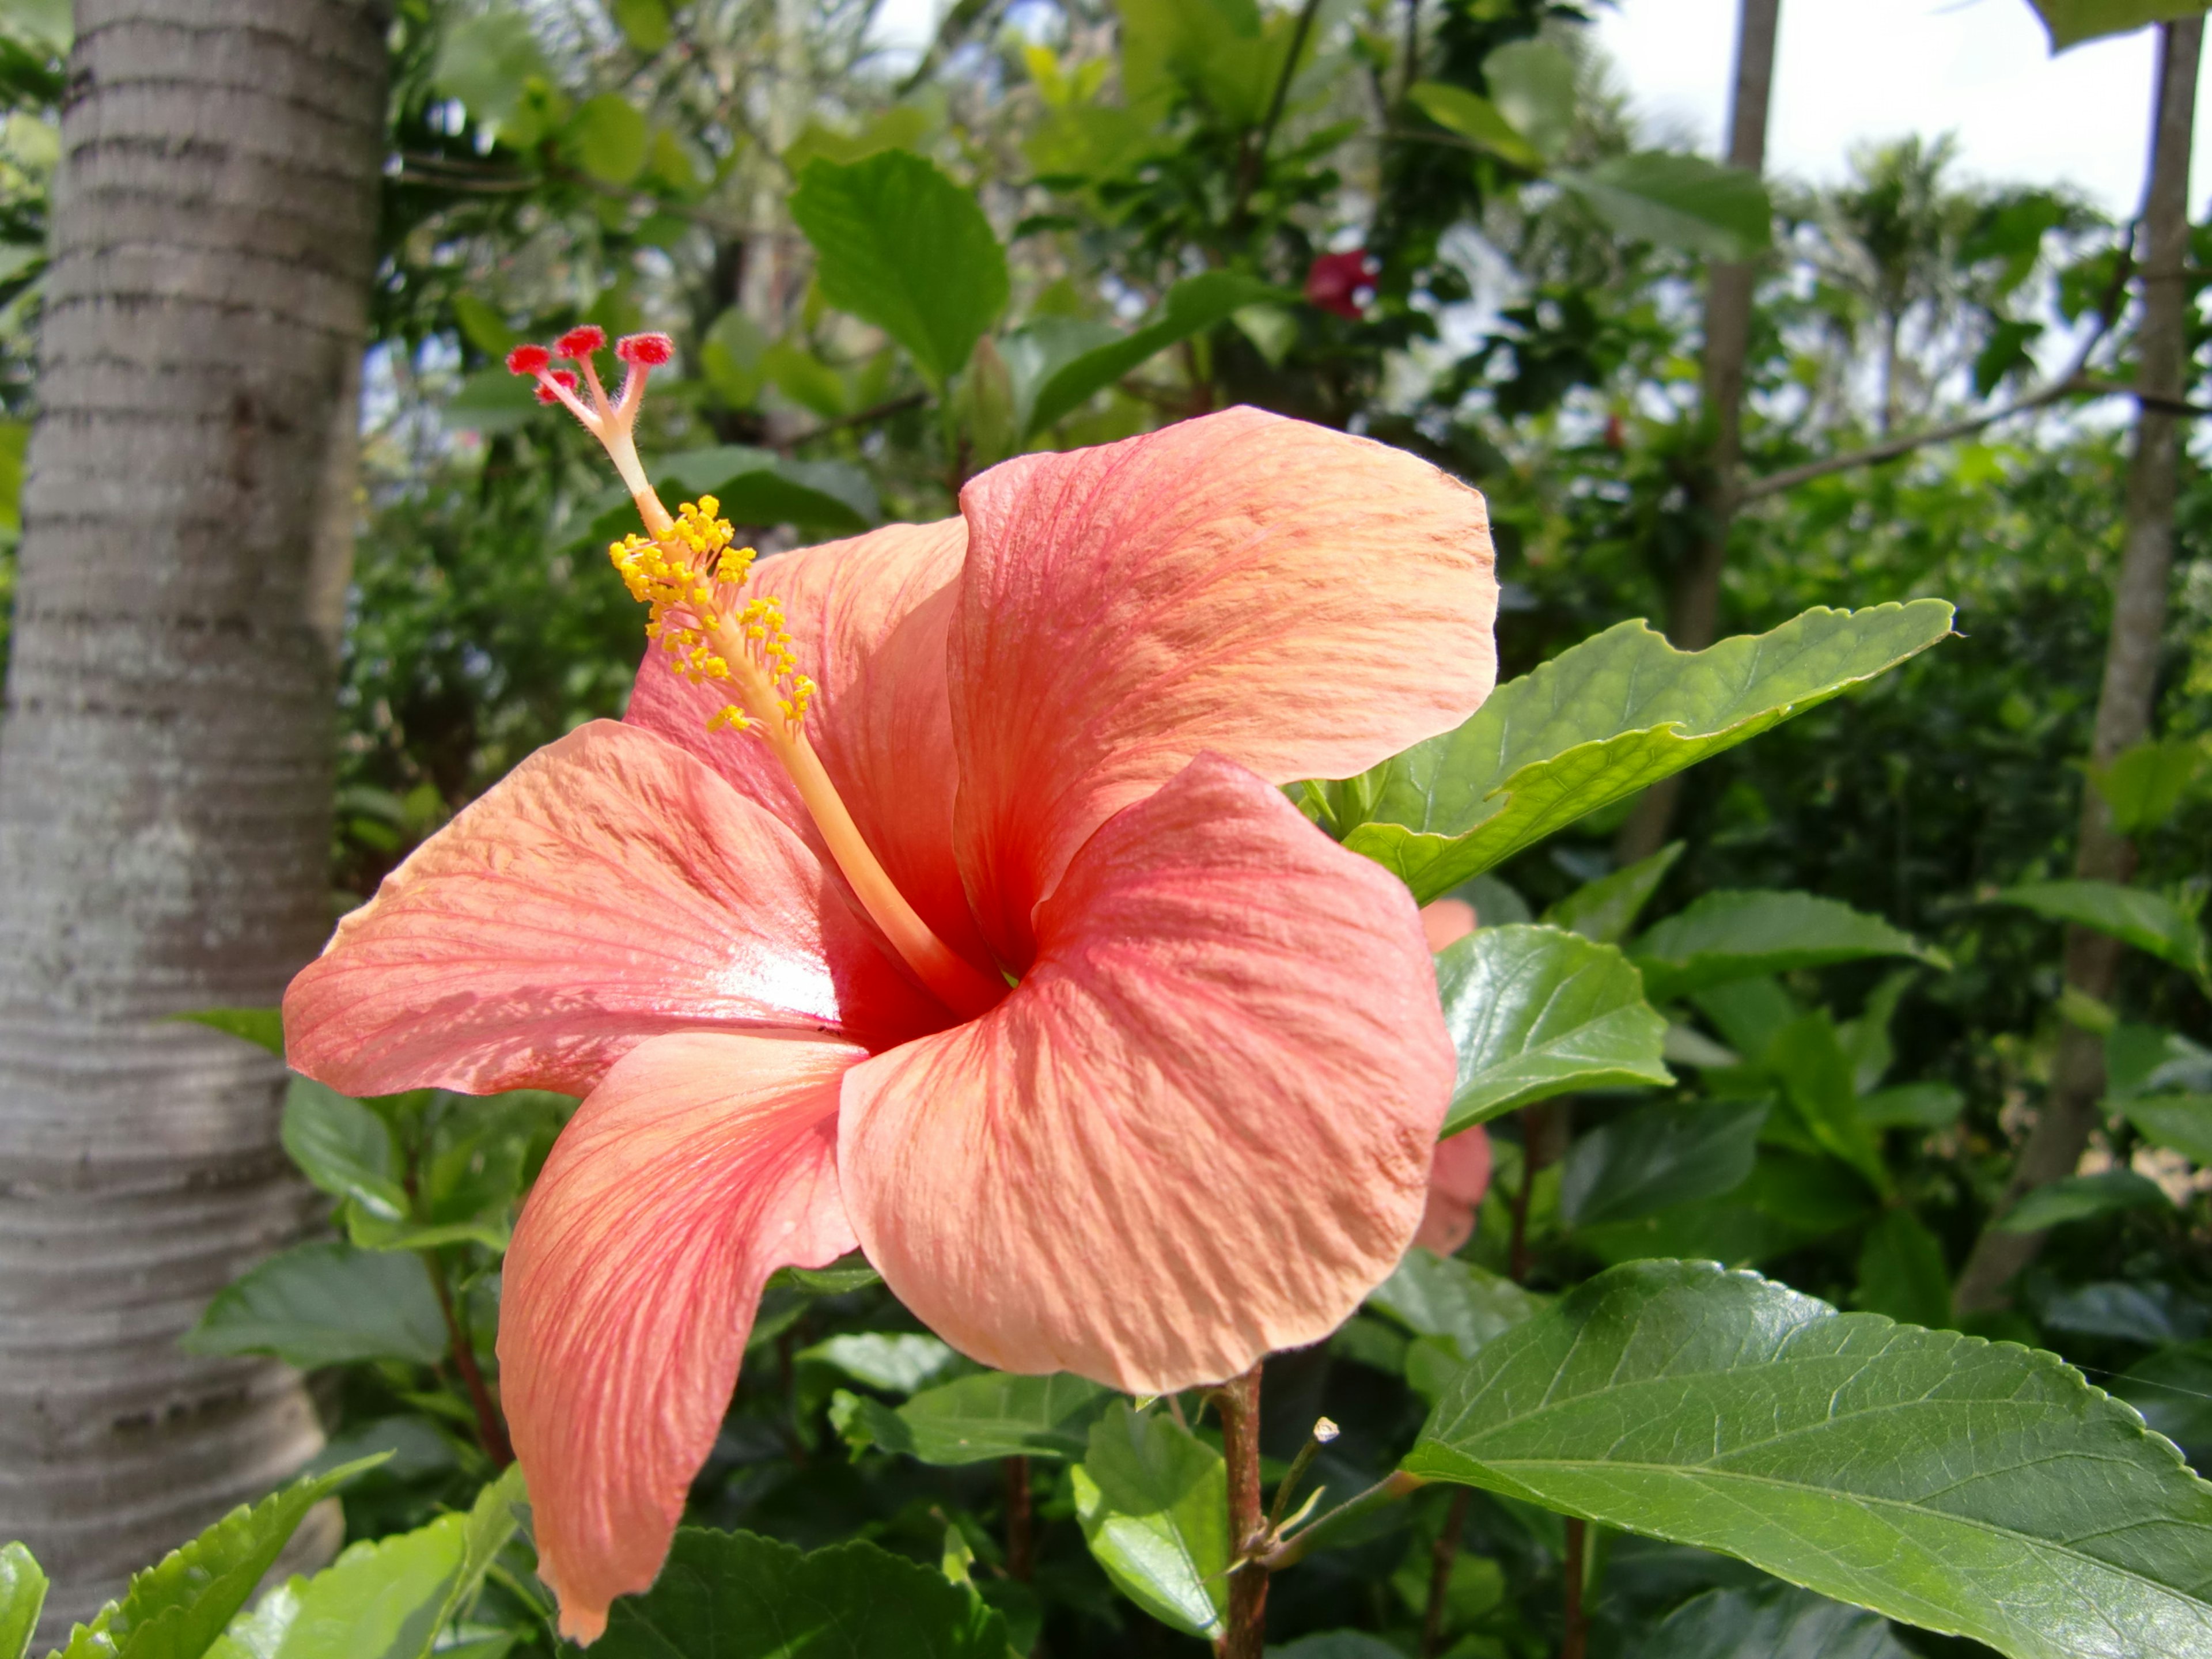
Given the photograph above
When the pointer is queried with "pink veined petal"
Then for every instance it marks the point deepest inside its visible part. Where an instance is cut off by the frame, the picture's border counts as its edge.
(610, 888)
(867, 618)
(1457, 1182)
(701, 1163)
(1300, 602)
(1447, 921)
(1201, 1128)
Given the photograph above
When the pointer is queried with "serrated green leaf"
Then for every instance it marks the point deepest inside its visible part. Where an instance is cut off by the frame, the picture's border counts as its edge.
(1775, 1621)
(2134, 915)
(2069, 23)
(325, 1303)
(1475, 118)
(1679, 201)
(1974, 1488)
(900, 245)
(1746, 935)
(2078, 1198)
(1153, 1503)
(1456, 1302)
(2181, 1121)
(343, 1147)
(1193, 306)
(262, 1027)
(1605, 909)
(1602, 721)
(22, 1595)
(973, 1419)
(176, 1608)
(1538, 1011)
(733, 1596)
(1659, 1155)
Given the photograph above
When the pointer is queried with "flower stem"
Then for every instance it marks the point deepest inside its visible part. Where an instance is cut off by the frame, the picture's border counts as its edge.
(1238, 1400)
(1020, 1535)
(1441, 1556)
(1573, 1645)
(491, 1427)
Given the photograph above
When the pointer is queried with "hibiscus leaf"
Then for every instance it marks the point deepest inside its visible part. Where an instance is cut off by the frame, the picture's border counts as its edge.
(736, 1595)
(1659, 1155)
(1537, 1011)
(1599, 722)
(1774, 1619)
(325, 1303)
(176, 1608)
(1677, 201)
(2079, 1198)
(1456, 1302)
(900, 245)
(2069, 23)
(2183, 1121)
(2134, 915)
(22, 1594)
(975, 1418)
(897, 1361)
(1727, 936)
(1605, 909)
(1475, 118)
(262, 1027)
(343, 1147)
(1153, 1502)
(1975, 1488)
(1193, 306)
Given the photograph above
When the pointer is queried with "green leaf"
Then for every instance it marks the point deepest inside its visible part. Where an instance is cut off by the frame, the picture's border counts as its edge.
(486, 330)
(22, 1594)
(1776, 1621)
(1602, 720)
(1605, 909)
(2145, 785)
(385, 1598)
(1901, 1273)
(325, 1303)
(1912, 1106)
(2069, 23)
(2148, 1314)
(903, 246)
(902, 127)
(1476, 120)
(2134, 915)
(733, 1596)
(1659, 1155)
(754, 486)
(1193, 306)
(262, 1027)
(2173, 1389)
(644, 23)
(996, 1414)
(1975, 1488)
(844, 1275)
(491, 400)
(1790, 1201)
(1533, 83)
(1679, 201)
(2181, 1121)
(1816, 1081)
(1744, 935)
(1456, 1302)
(1537, 1011)
(1153, 1503)
(488, 61)
(1040, 349)
(2141, 1060)
(176, 1608)
(343, 1147)
(732, 358)
(611, 138)
(897, 1361)
(2077, 1198)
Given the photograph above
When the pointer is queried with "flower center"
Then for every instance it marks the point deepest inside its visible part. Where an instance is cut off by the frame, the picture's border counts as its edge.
(685, 569)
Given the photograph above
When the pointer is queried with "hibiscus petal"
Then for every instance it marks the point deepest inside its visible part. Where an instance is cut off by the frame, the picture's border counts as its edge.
(1447, 921)
(867, 618)
(1299, 601)
(701, 1165)
(1201, 1128)
(1457, 1182)
(610, 888)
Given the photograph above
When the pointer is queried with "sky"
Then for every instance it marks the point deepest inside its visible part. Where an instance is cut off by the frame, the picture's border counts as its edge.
(1849, 71)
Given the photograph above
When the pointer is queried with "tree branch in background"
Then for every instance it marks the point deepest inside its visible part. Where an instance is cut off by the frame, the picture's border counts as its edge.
(1254, 159)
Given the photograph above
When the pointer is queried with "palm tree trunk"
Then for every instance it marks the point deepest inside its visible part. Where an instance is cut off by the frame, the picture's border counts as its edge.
(2071, 1111)
(164, 757)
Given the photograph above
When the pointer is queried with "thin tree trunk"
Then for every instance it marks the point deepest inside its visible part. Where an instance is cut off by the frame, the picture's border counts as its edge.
(1694, 615)
(164, 757)
(2070, 1111)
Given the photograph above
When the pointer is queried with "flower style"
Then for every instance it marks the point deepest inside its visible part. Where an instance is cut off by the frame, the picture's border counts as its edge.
(936, 896)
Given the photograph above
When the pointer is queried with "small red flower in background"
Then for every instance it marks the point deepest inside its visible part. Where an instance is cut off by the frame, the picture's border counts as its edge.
(1344, 282)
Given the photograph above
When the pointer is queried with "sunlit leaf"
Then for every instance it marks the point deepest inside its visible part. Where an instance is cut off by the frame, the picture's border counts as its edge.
(1153, 1503)
(1193, 306)
(897, 1361)
(1744, 935)
(1475, 118)
(487, 60)
(22, 1594)
(973, 1419)
(262, 1027)
(2069, 23)
(343, 1147)
(1974, 1488)
(1457, 1302)
(2134, 915)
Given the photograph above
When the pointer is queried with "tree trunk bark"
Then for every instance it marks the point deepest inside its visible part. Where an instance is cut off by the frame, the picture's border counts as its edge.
(165, 751)
(2072, 1109)
(1694, 615)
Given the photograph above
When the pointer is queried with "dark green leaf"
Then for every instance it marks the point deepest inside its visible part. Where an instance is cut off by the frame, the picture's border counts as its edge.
(2181, 1121)
(733, 1595)
(1537, 1011)
(1476, 120)
(1776, 1621)
(2077, 1198)
(2173, 1389)
(1728, 936)
(176, 1608)
(262, 1027)
(903, 246)
(2136, 916)
(327, 1305)
(996, 1414)
(1193, 306)
(1605, 909)
(1975, 1488)
(1456, 1302)
(1789, 1201)
(2148, 1314)
(2142, 1059)
(2069, 23)
(343, 1147)
(1602, 720)
(643, 23)
(22, 1594)
(1040, 349)
(2145, 784)
(1657, 1156)
(2005, 353)
(1153, 1502)
(1816, 1081)
(1901, 1273)
(1911, 1106)
(1336, 1644)
(846, 1274)
(1679, 201)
